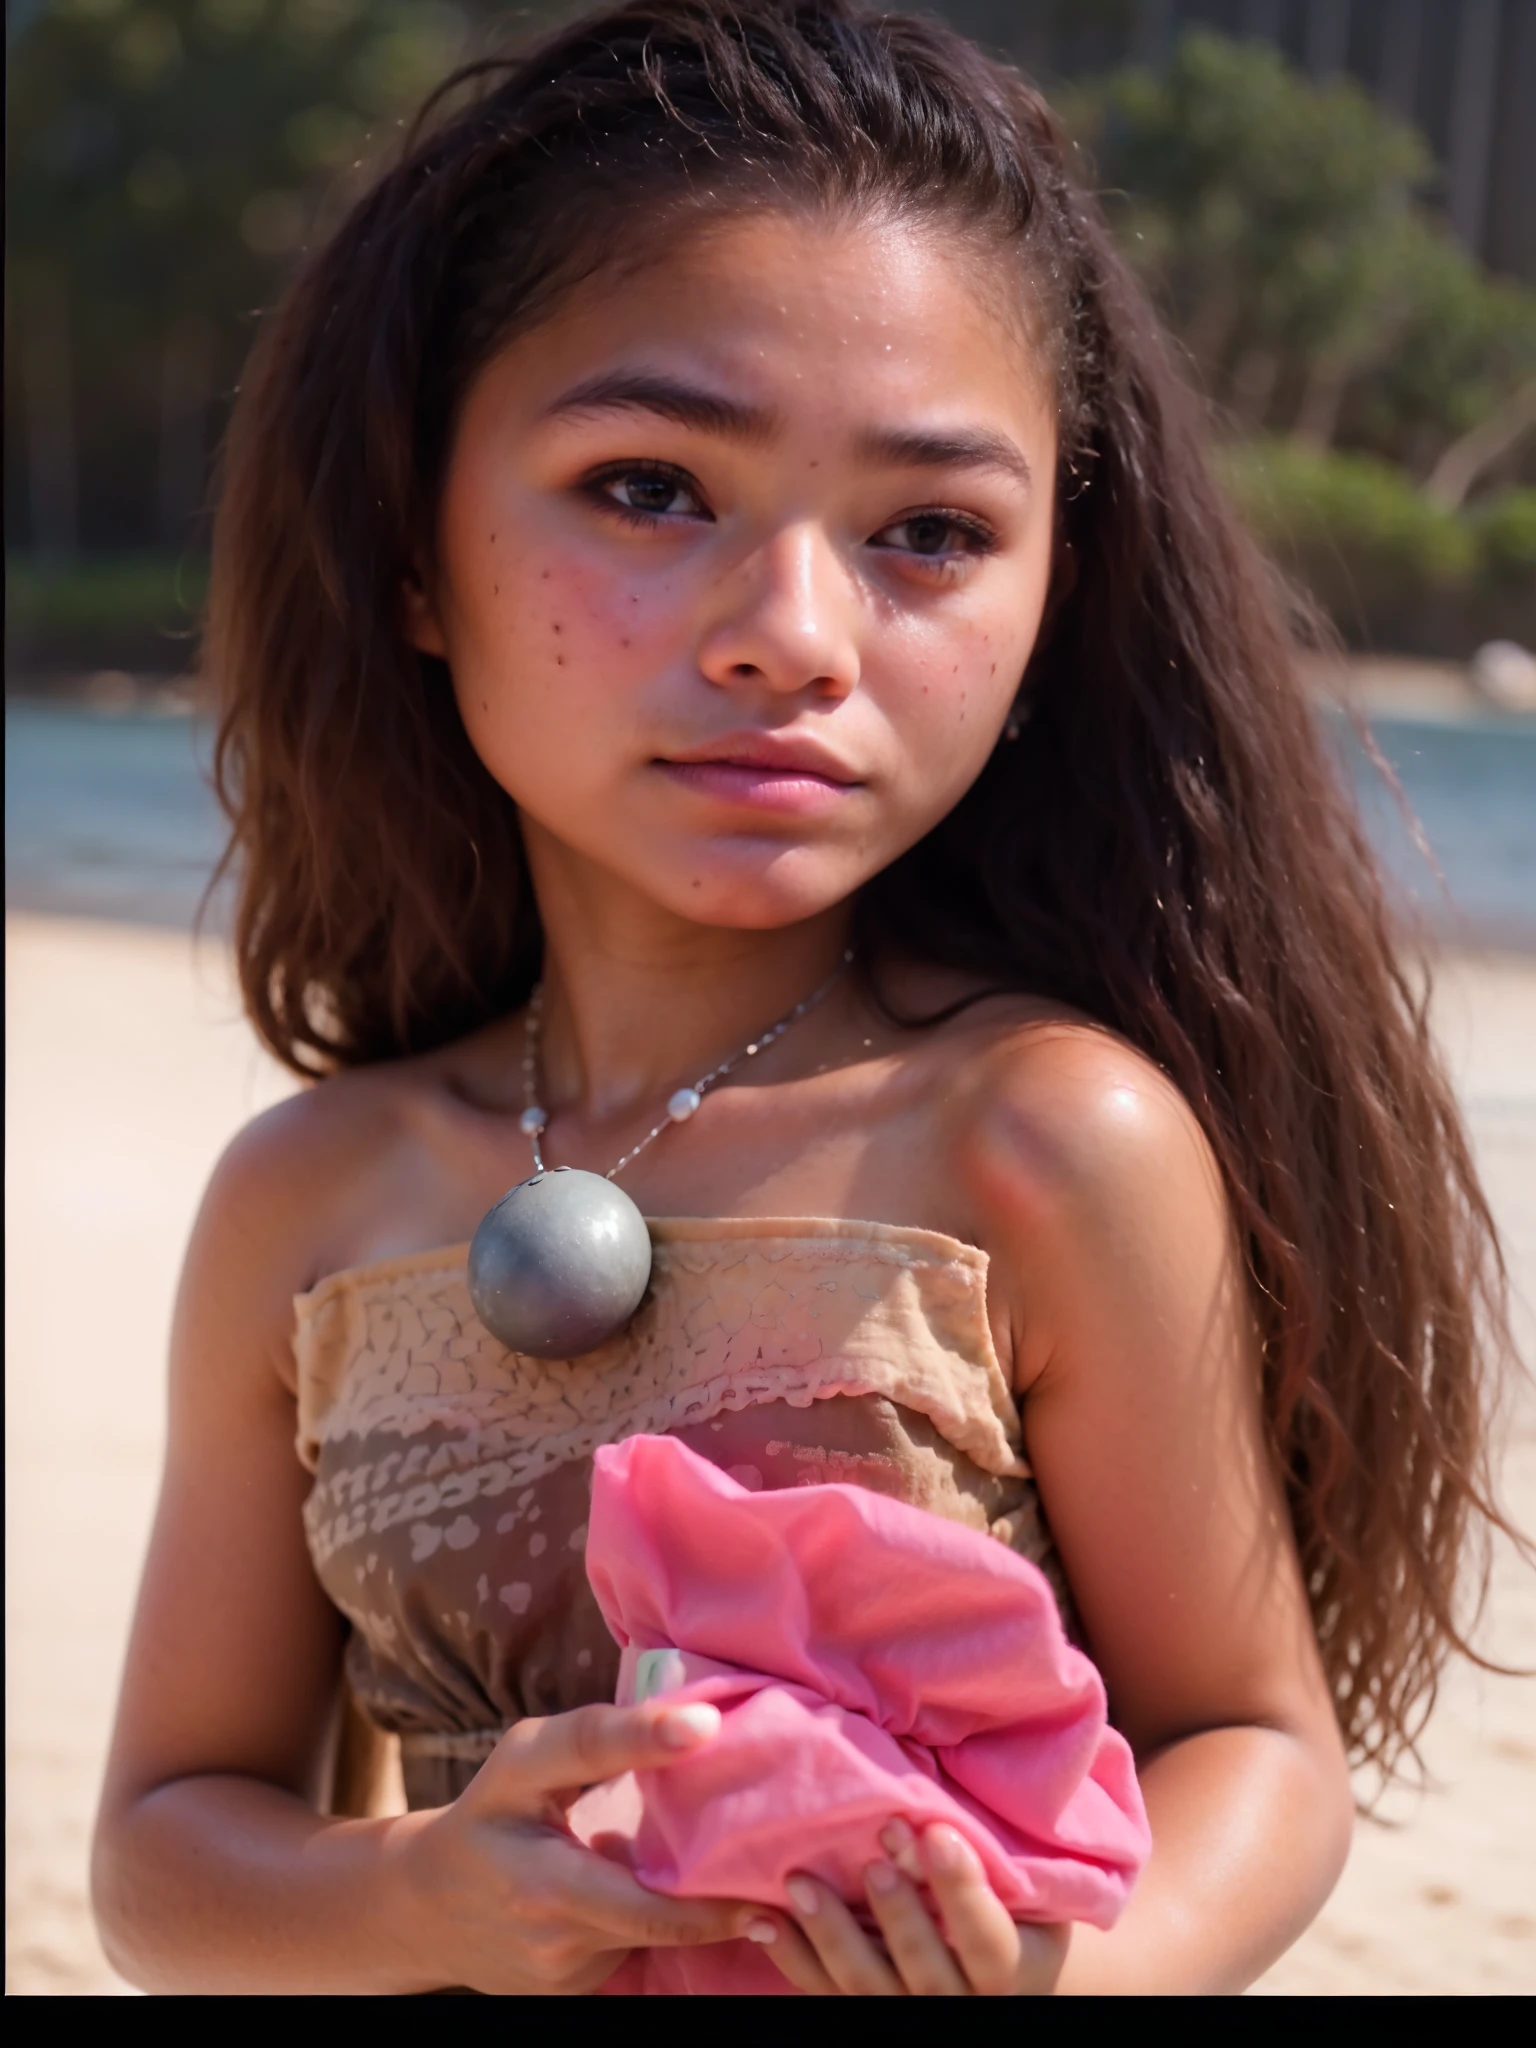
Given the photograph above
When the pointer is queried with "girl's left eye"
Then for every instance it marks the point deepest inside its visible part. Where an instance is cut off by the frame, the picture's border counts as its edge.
(935, 536)
(647, 491)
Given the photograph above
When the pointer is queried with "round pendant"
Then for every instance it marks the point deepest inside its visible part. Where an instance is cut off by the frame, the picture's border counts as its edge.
(561, 1263)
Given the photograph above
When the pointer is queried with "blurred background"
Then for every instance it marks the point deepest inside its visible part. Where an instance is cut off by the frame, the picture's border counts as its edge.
(1331, 200)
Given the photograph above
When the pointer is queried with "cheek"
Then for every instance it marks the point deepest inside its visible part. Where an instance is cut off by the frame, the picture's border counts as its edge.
(952, 682)
(551, 643)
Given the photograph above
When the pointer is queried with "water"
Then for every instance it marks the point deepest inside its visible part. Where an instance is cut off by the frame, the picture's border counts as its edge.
(1471, 785)
(109, 816)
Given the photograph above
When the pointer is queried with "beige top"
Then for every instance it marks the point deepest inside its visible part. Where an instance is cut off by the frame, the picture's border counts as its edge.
(452, 1476)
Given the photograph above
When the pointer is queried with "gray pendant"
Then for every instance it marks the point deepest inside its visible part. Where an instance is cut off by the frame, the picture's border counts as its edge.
(561, 1263)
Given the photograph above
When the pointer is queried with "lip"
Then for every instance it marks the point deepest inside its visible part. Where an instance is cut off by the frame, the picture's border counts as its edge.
(764, 771)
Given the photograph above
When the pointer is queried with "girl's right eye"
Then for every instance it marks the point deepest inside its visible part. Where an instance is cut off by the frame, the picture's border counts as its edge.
(647, 492)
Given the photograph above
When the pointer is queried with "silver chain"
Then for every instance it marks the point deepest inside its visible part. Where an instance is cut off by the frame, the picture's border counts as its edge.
(682, 1104)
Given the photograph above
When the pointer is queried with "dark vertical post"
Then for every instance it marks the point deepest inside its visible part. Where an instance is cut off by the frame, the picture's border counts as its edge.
(1470, 141)
(1261, 20)
(1154, 30)
(48, 384)
(1402, 40)
(1327, 37)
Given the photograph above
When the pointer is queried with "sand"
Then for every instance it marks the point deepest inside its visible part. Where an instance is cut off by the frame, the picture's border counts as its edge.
(129, 1068)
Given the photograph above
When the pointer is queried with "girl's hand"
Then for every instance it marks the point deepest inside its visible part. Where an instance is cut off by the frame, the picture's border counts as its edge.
(980, 1950)
(500, 1898)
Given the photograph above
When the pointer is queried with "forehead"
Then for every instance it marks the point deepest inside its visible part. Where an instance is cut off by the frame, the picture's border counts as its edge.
(814, 318)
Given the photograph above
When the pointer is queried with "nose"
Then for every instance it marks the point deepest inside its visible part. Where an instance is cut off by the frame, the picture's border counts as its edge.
(786, 620)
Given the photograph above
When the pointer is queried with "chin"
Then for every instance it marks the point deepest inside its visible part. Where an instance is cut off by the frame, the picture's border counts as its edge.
(780, 888)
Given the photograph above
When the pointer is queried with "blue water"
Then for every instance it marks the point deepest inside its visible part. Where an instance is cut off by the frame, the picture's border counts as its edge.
(110, 816)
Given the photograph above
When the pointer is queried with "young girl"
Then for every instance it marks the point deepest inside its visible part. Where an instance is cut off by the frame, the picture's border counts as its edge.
(715, 539)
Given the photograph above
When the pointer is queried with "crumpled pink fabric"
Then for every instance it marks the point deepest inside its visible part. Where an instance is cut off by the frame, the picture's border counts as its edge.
(871, 1660)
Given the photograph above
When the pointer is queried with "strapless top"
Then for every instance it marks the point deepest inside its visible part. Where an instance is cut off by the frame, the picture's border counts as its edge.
(451, 1476)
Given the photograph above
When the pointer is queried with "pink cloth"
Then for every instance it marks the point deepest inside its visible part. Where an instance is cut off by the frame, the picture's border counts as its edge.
(870, 1660)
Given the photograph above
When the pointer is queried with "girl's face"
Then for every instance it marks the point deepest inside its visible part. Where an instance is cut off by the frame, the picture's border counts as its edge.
(741, 559)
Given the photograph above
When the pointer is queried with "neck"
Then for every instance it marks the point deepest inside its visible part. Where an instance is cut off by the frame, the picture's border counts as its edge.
(638, 1000)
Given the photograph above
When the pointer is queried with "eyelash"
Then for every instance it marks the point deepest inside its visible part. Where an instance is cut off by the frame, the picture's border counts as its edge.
(595, 487)
(982, 538)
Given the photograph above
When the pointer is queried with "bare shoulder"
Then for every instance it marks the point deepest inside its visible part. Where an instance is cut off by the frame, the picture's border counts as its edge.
(1058, 1107)
(325, 1179)
(1086, 1168)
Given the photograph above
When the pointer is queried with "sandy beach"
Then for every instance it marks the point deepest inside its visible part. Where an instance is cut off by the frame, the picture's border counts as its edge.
(129, 1069)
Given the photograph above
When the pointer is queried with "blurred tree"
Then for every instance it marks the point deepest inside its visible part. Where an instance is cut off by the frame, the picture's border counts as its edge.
(1283, 224)
(167, 160)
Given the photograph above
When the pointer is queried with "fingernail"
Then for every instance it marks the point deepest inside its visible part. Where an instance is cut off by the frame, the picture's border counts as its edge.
(686, 1727)
(900, 1844)
(881, 1877)
(803, 1896)
(762, 1930)
(948, 1849)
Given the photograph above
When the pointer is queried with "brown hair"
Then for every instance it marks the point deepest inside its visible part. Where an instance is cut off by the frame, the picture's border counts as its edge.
(1165, 848)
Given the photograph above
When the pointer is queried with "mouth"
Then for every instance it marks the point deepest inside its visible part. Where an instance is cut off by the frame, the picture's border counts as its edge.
(764, 772)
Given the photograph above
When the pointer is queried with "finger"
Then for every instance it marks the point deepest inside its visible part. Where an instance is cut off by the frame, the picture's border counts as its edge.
(1042, 1953)
(977, 1925)
(798, 1961)
(900, 1845)
(923, 1962)
(843, 1949)
(539, 1758)
(570, 1881)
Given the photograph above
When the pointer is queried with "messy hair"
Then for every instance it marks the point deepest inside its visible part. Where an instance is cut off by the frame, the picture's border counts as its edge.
(1166, 847)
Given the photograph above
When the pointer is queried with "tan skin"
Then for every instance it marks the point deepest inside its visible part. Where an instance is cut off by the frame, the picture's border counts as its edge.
(795, 478)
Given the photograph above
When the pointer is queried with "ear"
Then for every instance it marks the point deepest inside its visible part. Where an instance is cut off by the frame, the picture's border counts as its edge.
(419, 621)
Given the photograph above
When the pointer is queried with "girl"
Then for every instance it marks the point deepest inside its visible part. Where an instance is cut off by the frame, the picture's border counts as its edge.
(719, 510)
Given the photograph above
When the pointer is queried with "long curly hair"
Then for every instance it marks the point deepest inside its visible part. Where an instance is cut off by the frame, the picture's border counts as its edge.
(1167, 847)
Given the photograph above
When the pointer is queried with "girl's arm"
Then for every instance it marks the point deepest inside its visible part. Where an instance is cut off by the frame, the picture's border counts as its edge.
(1140, 1379)
(1144, 1421)
(213, 1871)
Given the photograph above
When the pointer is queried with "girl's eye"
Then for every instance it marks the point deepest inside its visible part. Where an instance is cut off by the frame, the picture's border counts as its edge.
(646, 492)
(935, 536)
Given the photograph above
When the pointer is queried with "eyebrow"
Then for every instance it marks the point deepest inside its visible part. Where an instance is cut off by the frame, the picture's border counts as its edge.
(963, 448)
(688, 405)
(693, 405)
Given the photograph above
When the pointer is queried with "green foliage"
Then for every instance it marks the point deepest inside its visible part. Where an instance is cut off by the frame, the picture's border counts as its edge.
(1389, 565)
(1267, 208)
(1457, 344)
(1352, 524)
(171, 152)
(1282, 224)
(1506, 535)
(169, 160)
(117, 611)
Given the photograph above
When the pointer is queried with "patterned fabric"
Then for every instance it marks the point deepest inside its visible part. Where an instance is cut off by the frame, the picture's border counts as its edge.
(452, 1477)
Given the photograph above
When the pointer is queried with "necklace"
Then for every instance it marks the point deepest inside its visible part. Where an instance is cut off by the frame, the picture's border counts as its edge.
(563, 1260)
